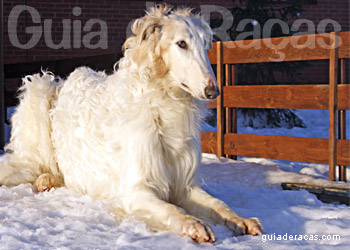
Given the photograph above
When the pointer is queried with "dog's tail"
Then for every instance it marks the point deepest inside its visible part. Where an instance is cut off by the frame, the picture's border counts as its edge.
(30, 151)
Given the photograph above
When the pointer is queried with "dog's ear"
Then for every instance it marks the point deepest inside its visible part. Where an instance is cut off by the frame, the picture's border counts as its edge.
(207, 33)
(150, 24)
(208, 37)
(145, 26)
(149, 27)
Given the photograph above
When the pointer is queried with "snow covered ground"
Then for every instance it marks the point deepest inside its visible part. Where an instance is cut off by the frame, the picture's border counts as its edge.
(63, 219)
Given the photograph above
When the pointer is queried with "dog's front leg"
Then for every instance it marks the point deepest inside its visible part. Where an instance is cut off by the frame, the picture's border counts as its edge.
(161, 215)
(203, 205)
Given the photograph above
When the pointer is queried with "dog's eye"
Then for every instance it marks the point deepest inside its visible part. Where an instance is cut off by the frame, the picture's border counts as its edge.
(182, 44)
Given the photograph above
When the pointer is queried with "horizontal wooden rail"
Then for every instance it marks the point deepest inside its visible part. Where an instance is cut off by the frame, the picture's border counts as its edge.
(284, 96)
(297, 48)
(211, 104)
(209, 142)
(277, 147)
(285, 148)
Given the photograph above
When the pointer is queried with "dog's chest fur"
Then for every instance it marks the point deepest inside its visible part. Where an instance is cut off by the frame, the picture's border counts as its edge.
(178, 132)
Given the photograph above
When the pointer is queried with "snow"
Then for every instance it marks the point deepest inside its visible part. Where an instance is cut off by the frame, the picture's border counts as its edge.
(316, 122)
(64, 219)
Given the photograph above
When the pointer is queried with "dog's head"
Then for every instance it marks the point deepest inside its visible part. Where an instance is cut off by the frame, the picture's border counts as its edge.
(175, 44)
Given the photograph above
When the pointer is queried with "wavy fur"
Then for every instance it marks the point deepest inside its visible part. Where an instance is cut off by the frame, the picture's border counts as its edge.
(133, 137)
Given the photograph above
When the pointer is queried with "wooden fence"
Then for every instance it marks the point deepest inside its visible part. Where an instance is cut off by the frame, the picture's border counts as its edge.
(333, 96)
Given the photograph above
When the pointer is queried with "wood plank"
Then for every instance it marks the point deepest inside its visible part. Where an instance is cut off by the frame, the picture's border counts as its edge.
(219, 99)
(343, 96)
(344, 49)
(240, 144)
(2, 84)
(234, 110)
(278, 147)
(211, 104)
(333, 82)
(297, 48)
(342, 136)
(285, 148)
(233, 53)
(334, 195)
(228, 111)
(342, 122)
(212, 54)
(233, 113)
(343, 152)
(284, 96)
(208, 142)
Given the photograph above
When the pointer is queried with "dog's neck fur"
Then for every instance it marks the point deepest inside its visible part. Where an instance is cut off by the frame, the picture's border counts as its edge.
(180, 144)
(171, 108)
(173, 136)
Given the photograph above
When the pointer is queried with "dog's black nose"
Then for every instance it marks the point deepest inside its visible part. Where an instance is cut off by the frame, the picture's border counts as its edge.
(211, 91)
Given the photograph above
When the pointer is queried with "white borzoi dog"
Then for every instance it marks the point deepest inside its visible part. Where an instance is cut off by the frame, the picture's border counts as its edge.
(132, 137)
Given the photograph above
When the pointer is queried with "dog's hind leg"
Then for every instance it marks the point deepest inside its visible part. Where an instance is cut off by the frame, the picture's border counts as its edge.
(14, 173)
(44, 182)
(31, 152)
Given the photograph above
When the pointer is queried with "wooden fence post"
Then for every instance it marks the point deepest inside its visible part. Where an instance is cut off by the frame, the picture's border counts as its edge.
(342, 121)
(333, 86)
(234, 110)
(231, 113)
(2, 84)
(228, 111)
(220, 113)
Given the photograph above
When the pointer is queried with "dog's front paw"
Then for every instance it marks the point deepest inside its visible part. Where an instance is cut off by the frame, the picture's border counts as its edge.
(254, 226)
(44, 182)
(197, 230)
(241, 226)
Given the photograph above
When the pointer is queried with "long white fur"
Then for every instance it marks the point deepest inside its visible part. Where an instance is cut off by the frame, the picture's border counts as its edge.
(131, 137)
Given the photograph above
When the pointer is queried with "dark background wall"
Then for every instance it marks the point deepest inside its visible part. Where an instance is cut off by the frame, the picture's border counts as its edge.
(118, 13)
